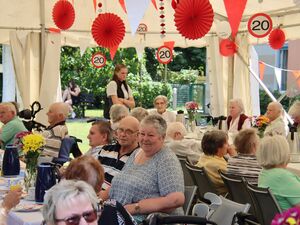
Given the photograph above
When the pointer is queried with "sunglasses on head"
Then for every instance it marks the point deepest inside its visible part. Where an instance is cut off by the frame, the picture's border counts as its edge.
(89, 216)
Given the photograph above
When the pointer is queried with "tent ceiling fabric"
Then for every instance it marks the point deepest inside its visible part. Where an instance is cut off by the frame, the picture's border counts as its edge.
(25, 15)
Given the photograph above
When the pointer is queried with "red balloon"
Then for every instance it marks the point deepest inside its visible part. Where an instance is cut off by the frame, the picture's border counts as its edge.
(193, 18)
(276, 38)
(227, 47)
(108, 30)
(63, 14)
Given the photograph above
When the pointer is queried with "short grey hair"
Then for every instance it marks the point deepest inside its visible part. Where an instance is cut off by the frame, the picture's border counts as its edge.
(273, 151)
(176, 127)
(164, 98)
(64, 193)
(118, 112)
(157, 122)
(139, 112)
(9, 106)
(61, 108)
(239, 103)
(245, 140)
(294, 111)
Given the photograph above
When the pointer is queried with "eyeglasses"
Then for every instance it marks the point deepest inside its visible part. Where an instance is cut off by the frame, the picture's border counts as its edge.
(89, 216)
(126, 131)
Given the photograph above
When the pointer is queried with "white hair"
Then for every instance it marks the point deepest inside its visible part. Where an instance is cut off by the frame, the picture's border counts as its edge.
(162, 97)
(176, 127)
(157, 122)
(294, 110)
(273, 151)
(239, 103)
(9, 106)
(61, 108)
(139, 112)
(118, 112)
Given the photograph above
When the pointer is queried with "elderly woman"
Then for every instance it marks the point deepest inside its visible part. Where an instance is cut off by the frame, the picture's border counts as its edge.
(116, 113)
(245, 164)
(215, 146)
(273, 156)
(294, 140)
(160, 104)
(72, 203)
(139, 112)
(237, 120)
(152, 178)
(89, 169)
(100, 134)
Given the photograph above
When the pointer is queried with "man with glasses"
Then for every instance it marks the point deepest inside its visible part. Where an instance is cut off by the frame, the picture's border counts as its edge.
(113, 157)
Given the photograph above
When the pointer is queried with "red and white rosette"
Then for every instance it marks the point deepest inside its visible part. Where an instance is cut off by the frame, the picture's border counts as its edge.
(63, 14)
(108, 30)
(193, 18)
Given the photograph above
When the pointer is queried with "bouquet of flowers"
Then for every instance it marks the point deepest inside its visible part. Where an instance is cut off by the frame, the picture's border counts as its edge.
(31, 146)
(191, 108)
(261, 122)
(288, 217)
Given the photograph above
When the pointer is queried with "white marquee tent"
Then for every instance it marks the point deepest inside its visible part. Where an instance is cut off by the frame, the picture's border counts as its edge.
(24, 28)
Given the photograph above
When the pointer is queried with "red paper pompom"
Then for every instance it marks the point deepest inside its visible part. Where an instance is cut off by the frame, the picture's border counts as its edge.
(227, 47)
(63, 14)
(193, 18)
(276, 38)
(108, 30)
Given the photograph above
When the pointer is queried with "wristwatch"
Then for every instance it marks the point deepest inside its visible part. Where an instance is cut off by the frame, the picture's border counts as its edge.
(137, 208)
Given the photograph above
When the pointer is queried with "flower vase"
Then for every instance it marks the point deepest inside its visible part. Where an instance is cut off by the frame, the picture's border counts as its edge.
(191, 126)
(30, 172)
(260, 133)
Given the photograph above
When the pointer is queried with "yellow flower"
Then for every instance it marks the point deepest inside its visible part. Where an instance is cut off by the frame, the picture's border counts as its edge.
(32, 143)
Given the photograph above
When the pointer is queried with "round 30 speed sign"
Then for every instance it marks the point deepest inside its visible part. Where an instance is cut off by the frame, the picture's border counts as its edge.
(164, 54)
(260, 25)
(98, 60)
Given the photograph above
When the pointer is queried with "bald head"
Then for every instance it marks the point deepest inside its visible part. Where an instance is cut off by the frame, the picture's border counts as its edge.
(130, 122)
(274, 110)
(58, 112)
(7, 112)
(127, 133)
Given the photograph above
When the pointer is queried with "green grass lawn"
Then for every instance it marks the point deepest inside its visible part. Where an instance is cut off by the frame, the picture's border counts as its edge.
(80, 128)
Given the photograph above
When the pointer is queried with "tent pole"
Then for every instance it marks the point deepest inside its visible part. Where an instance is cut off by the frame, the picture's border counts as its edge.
(43, 35)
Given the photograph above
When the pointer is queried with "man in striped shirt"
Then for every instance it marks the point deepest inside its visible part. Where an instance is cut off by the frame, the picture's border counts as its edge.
(113, 157)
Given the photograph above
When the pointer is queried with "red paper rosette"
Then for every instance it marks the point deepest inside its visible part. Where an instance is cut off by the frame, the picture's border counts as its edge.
(108, 30)
(193, 18)
(63, 14)
(276, 38)
(227, 47)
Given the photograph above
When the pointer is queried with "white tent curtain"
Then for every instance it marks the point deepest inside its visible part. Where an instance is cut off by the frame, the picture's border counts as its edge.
(9, 81)
(26, 58)
(241, 80)
(217, 78)
(50, 85)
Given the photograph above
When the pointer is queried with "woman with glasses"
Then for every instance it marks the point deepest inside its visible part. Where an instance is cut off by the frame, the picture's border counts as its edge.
(152, 178)
(71, 203)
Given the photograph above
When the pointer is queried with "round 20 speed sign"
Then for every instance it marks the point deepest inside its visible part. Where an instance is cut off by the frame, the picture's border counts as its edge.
(164, 54)
(260, 25)
(98, 60)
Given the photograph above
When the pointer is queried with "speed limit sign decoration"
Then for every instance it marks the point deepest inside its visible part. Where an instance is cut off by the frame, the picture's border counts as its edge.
(260, 25)
(98, 60)
(164, 54)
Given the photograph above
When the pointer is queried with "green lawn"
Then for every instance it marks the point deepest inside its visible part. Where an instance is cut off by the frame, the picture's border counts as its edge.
(80, 128)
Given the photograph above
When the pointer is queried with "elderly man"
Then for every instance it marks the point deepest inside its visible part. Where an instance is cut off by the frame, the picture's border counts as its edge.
(57, 129)
(12, 124)
(277, 125)
(113, 157)
(294, 140)
(161, 104)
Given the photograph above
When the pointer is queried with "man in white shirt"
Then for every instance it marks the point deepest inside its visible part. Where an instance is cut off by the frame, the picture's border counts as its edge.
(277, 126)
(161, 103)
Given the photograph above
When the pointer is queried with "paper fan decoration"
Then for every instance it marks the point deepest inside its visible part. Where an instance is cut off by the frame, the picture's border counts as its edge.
(227, 47)
(108, 30)
(276, 38)
(63, 14)
(193, 18)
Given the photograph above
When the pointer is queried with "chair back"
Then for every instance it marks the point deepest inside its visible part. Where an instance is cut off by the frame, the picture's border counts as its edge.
(189, 194)
(238, 190)
(188, 181)
(225, 213)
(201, 179)
(265, 202)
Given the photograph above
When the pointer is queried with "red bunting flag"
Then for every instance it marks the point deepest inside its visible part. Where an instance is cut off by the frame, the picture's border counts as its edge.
(261, 70)
(122, 3)
(170, 44)
(95, 5)
(154, 4)
(235, 11)
(112, 51)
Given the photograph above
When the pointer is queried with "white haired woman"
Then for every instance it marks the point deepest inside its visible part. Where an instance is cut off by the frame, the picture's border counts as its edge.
(237, 120)
(161, 104)
(294, 140)
(273, 155)
(71, 203)
(152, 178)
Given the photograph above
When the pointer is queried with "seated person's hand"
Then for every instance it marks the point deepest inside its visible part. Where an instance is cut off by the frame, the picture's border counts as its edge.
(12, 199)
